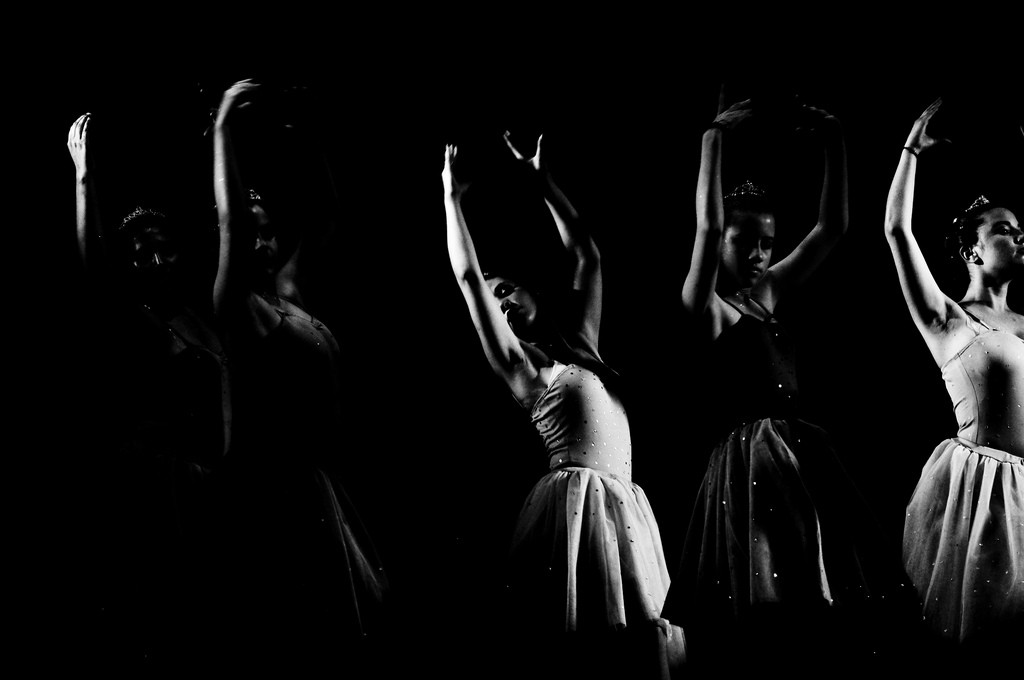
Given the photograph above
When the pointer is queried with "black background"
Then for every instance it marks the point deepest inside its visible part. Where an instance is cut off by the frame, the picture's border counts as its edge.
(440, 458)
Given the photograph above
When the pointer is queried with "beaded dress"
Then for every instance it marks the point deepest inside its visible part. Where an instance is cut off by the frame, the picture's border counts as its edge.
(586, 553)
(777, 538)
(963, 540)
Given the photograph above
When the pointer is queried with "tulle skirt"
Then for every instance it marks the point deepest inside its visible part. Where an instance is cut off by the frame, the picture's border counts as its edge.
(587, 555)
(302, 577)
(963, 540)
(781, 553)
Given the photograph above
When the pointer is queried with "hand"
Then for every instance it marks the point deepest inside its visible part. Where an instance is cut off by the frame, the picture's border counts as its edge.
(919, 139)
(237, 97)
(78, 137)
(535, 161)
(812, 119)
(729, 118)
(453, 185)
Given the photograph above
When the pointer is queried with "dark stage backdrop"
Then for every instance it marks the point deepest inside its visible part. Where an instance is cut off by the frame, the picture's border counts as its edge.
(439, 458)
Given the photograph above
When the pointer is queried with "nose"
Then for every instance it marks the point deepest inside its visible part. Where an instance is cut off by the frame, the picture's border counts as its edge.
(756, 255)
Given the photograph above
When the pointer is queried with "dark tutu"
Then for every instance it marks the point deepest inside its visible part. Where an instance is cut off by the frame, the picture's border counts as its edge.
(779, 550)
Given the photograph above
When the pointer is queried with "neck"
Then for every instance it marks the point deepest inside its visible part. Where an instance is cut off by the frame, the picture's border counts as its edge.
(988, 292)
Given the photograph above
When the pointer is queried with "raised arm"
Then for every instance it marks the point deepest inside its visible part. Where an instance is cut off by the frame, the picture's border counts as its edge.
(577, 240)
(699, 297)
(500, 344)
(930, 308)
(833, 208)
(89, 226)
(233, 216)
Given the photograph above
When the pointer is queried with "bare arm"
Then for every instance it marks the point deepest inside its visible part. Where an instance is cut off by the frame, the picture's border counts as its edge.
(930, 308)
(233, 216)
(89, 226)
(699, 297)
(577, 240)
(502, 348)
(833, 211)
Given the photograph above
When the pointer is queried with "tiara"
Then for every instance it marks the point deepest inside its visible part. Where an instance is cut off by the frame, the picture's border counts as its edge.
(139, 213)
(747, 190)
(978, 202)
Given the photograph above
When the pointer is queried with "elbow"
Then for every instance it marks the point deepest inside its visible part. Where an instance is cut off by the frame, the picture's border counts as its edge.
(711, 222)
(587, 255)
(466, 275)
(893, 226)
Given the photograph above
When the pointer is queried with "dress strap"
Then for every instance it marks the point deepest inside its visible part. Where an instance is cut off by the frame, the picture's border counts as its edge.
(976, 319)
(726, 301)
(768, 315)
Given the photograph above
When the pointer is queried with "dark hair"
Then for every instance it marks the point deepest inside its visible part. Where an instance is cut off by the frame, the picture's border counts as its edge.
(561, 309)
(964, 231)
(747, 197)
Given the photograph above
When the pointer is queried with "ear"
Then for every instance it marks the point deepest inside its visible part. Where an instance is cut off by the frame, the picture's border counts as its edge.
(970, 255)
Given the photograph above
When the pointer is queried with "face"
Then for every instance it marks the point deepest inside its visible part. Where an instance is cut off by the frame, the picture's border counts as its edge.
(747, 247)
(516, 303)
(1000, 244)
(153, 258)
(267, 250)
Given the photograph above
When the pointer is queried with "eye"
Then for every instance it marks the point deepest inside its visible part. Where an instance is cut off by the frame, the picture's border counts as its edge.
(503, 289)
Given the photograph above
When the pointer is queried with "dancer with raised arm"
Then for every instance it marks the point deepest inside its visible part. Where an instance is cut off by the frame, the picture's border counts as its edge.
(311, 587)
(963, 542)
(587, 571)
(166, 405)
(775, 550)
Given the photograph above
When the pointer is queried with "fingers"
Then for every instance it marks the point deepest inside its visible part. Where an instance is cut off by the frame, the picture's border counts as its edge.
(511, 147)
(932, 108)
(450, 152)
(77, 130)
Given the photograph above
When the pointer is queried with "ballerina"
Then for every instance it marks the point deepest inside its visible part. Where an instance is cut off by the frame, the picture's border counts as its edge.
(586, 557)
(963, 542)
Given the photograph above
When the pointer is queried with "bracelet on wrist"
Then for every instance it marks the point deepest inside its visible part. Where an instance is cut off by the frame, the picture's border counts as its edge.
(907, 148)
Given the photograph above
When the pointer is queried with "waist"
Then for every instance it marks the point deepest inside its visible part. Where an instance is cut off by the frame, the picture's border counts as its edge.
(622, 467)
(1003, 455)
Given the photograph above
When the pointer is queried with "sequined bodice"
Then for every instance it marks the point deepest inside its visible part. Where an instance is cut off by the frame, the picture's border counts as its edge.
(985, 381)
(582, 423)
(754, 372)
